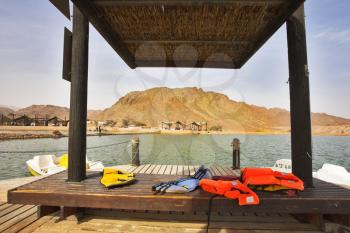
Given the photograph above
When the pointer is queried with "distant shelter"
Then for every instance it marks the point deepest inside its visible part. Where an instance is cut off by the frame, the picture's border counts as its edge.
(56, 121)
(180, 125)
(4, 120)
(167, 125)
(199, 126)
(23, 121)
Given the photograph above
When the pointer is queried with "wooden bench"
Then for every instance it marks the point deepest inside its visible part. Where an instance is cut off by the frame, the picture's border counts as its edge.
(324, 198)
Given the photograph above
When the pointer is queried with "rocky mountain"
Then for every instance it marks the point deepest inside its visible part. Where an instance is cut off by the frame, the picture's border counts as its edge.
(153, 106)
(5, 110)
(43, 111)
(93, 114)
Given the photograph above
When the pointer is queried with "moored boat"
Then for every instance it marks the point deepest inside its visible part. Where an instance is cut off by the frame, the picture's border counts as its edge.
(51, 164)
(283, 165)
(333, 174)
(329, 172)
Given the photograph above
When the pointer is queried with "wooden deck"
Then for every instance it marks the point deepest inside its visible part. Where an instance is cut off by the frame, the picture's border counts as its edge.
(15, 218)
(325, 198)
(19, 218)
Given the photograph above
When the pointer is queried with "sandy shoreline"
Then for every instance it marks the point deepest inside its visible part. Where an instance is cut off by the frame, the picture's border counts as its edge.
(33, 132)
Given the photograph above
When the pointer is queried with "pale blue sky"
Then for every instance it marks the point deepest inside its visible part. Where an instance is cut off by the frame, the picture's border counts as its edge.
(31, 42)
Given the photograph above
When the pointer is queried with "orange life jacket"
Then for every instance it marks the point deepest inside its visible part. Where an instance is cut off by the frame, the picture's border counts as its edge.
(230, 189)
(273, 179)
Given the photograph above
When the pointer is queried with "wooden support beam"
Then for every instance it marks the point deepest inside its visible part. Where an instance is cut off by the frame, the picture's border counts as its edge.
(184, 63)
(236, 154)
(67, 55)
(135, 151)
(46, 210)
(299, 98)
(314, 219)
(71, 213)
(78, 98)
(342, 219)
(62, 6)
(211, 42)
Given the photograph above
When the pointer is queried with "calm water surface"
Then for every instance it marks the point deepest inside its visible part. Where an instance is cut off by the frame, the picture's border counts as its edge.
(257, 150)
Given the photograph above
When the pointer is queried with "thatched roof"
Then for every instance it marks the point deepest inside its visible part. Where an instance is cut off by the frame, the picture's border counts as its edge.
(187, 33)
(22, 118)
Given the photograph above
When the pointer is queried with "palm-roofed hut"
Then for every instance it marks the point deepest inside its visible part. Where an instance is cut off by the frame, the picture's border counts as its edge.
(199, 126)
(180, 125)
(196, 126)
(40, 121)
(23, 121)
(197, 34)
(56, 121)
(167, 125)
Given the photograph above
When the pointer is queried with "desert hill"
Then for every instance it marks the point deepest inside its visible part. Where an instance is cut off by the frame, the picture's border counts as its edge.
(6, 111)
(153, 106)
(43, 111)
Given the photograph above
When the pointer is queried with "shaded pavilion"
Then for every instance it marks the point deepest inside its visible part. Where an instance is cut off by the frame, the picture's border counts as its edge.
(182, 33)
(188, 33)
(56, 121)
(22, 121)
(180, 125)
(196, 126)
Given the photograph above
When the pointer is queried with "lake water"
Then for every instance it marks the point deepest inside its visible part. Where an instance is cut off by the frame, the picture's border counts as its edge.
(256, 150)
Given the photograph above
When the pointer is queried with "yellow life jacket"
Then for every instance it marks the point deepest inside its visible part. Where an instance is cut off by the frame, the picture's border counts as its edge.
(113, 178)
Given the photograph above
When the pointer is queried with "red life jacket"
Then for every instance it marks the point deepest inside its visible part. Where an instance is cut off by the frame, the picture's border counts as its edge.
(230, 189)
(274, 179)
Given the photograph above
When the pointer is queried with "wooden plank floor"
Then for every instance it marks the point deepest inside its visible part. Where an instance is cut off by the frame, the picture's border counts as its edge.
(15, 218)
(23, 218)
(153, 222)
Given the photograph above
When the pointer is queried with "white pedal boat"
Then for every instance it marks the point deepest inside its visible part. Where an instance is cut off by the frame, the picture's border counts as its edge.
(42, 165)
(283, 165)
(333, 174)
(329, 172)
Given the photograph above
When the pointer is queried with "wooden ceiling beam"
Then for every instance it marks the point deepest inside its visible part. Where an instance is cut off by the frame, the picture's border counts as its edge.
(186, 64)
(105, 29)
(184, 2)
(186, 42)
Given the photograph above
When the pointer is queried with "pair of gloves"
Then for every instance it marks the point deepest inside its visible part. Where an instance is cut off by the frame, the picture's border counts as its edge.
(183, 185)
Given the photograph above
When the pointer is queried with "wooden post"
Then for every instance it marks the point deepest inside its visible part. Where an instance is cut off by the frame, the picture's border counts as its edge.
(236, 154)
(135, 152)
(46, 210)
(71, 213)
(78, 98)
(299, 98)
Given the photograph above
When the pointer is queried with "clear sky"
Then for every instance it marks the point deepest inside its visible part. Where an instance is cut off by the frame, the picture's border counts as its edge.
(31, 42)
